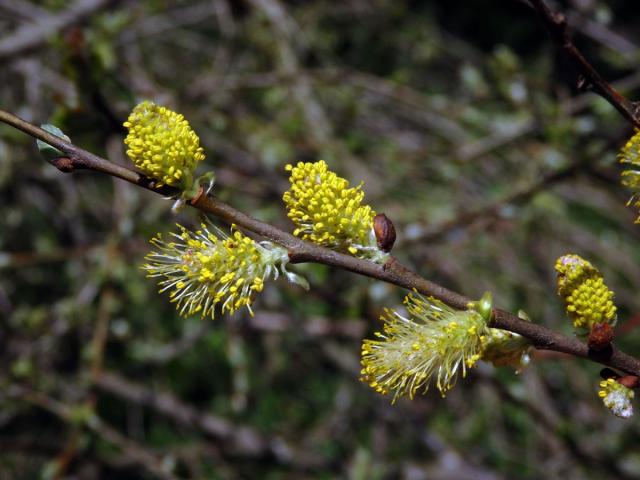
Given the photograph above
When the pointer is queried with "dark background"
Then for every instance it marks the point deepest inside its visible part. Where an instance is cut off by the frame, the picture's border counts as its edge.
(467, 131)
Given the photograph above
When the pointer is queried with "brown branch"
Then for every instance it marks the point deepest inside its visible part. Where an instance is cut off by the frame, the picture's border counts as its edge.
(237, 439)
(301, 251)
(556, 24)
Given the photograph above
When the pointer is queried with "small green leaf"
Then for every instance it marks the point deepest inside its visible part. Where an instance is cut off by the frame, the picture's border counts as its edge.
(205, 182)
(81, 414)
(47, 150)
(483, 306)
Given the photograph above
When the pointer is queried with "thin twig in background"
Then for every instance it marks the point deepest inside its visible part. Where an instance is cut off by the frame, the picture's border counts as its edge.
(365, 81)
(127, 447)
(238, 439)
(556, 24)
(32, 35)
(268, 322)
(27, 10)
(285, 32)
(464, 219)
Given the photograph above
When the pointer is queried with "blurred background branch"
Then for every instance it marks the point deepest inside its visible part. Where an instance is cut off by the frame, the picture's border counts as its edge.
(589, 78)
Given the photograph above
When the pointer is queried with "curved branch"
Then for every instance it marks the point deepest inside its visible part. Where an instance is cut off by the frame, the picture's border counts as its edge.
(556, 24)
(301, 251)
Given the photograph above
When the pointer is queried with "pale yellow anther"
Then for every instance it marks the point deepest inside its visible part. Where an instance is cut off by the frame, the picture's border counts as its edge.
(201, 273)
(427, 345)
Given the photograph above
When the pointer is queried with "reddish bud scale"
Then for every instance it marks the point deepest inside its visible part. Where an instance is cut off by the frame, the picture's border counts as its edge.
(629, 381)
(600, 336)
(385, 232)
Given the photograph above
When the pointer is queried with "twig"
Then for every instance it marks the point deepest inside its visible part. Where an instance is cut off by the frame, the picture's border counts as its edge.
(477, 148)
(521, 195)
(556, 24)
(547, 420)
(402, 94)
(166, 21)
(399, 93)
(128, 448)
(603, 34)
(224, 18)
(301, 251)
(286, 32)
(35, 34)
(313, 327)
(101, 332)
(26, 10)
(241, 440)
(68, 453)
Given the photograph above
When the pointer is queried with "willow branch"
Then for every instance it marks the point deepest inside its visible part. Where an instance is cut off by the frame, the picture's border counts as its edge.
(556, 24)
(301, 251)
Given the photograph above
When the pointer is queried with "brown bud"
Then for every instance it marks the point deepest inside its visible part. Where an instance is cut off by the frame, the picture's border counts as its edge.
(600, 336)
(385, 232)
(629, 381)
(75, 40)
(63, 164)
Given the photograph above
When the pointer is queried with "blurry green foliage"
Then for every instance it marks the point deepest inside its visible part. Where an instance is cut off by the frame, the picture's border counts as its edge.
(442, 108)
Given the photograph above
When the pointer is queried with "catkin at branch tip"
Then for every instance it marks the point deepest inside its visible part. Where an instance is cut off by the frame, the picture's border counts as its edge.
(587, 298)
(162, 144)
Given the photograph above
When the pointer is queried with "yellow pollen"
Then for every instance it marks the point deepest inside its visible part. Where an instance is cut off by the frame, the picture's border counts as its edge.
(161, 143)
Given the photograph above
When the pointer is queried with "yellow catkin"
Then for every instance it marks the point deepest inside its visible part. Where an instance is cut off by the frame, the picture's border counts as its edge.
(433, 342)
(630, 155)
(588, 300)
(162, 145)
(616, 397)
(327, 211)
(204, 269)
